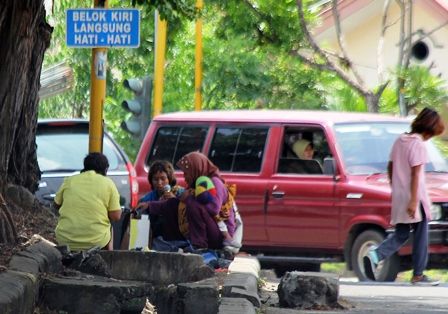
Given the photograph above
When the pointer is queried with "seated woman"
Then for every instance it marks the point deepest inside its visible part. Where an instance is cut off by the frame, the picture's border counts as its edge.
(87, 204)
(202, 230)
(163, 185)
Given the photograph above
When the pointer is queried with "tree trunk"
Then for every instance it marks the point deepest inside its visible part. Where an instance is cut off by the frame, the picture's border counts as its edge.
(24, 37)
(372, 102)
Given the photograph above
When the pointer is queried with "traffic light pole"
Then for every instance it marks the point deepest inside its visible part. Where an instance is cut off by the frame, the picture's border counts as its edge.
(198, 76)
(97, 92)
(159, 64)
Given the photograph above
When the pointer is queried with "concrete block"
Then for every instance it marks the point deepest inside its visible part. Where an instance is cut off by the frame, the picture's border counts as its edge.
(27, 263)
(96, 296)
(39, 257)
(250, 296)
(242, 281)
(51, 257)
(245, 264)
(160, 268)
(18, 292)
(236, 306)
(199, 297)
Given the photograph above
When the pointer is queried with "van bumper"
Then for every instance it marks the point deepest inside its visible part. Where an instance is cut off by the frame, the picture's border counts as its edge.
(438, 234)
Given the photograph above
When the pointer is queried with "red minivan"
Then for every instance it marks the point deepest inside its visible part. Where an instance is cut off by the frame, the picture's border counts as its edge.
(330, 210)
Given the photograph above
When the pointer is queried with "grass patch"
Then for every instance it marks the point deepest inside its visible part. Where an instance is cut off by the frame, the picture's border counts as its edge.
(336, 268)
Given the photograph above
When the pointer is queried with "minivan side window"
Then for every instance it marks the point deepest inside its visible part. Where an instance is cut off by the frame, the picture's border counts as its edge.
(291, 163)
(174, 142)
(237, 149)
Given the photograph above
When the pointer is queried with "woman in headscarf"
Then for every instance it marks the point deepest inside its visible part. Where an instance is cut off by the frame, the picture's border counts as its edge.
(303, 149)
(199, 226)
(203, 218)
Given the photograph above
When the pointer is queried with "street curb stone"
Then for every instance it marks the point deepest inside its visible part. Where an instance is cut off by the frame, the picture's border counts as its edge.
(20, 284)
(241, 284)
(236, 306)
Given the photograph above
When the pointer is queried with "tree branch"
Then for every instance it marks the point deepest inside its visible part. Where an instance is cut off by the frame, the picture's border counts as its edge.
(379, 49)
(328, 64)
(346, 60)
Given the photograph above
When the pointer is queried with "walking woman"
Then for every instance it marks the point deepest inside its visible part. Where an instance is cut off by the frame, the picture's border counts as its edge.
(410, 202)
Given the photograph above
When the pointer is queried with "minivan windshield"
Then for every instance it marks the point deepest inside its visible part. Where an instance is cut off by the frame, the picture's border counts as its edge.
(365, 147)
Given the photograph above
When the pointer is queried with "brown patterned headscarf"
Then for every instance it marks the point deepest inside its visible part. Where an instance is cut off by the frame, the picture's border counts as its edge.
(196, 164)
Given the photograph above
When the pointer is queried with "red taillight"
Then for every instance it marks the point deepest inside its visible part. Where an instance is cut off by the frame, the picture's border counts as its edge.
(133, 183)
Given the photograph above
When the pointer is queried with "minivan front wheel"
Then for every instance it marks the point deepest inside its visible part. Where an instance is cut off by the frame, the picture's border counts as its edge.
(387, 270)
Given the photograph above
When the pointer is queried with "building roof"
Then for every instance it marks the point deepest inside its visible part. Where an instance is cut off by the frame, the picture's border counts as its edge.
(354, 13)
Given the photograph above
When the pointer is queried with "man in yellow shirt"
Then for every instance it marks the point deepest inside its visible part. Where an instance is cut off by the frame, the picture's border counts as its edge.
(87, 204)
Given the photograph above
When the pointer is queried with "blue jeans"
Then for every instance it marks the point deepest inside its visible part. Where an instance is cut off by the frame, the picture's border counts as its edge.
(419, 245)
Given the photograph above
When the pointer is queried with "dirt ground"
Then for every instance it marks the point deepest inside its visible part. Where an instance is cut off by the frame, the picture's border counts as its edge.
(28, 223)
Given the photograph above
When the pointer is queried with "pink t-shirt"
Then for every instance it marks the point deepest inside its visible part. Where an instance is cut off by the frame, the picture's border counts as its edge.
(408, 151)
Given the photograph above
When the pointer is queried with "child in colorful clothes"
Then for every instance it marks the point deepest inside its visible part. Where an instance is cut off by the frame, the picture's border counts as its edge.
(205, 192)
(410, 201)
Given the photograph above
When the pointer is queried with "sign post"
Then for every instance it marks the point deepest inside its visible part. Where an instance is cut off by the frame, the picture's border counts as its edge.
(101, 28)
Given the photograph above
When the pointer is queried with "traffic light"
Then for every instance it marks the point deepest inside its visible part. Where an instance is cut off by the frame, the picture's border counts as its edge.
(140, 106)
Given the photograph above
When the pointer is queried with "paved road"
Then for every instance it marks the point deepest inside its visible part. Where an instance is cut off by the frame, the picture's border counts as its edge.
(387, 298)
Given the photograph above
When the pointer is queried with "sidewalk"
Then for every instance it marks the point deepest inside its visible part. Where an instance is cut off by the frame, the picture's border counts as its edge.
(387, 298)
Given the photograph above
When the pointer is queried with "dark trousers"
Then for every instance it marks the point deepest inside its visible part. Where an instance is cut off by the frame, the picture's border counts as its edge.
(419, 245)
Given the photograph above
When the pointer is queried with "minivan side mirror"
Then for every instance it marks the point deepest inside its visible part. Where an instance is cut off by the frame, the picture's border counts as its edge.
(329, 166)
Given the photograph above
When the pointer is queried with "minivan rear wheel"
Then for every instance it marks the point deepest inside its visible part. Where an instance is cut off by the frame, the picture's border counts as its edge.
(387, 269)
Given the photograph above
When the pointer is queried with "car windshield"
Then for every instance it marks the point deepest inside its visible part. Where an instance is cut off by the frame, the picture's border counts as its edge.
(366, 147)
(66, 151)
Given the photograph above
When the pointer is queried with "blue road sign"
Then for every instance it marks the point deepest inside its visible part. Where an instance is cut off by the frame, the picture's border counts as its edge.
(91, 28)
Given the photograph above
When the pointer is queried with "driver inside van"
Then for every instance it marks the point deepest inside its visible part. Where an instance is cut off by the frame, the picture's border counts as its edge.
(303, 149)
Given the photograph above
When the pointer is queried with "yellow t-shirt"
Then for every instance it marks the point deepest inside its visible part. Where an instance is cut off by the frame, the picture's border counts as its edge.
(86, 199)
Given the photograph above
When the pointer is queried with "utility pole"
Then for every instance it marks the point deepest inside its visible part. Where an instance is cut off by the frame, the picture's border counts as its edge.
(97, 92)
(159, 63)
(198, 74)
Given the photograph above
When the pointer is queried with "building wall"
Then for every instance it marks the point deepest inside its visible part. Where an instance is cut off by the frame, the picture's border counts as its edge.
(362, 41)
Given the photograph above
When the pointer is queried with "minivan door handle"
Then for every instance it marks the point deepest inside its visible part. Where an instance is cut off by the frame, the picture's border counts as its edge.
(278, 194)
(265, 201)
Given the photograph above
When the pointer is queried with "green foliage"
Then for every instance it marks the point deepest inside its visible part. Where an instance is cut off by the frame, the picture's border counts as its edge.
(421, 88)
(261, 283)
(169, 8)
(344, 98)
(243, 66)
(247, 63)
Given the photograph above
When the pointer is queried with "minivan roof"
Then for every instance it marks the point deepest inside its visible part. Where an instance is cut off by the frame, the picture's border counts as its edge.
(284, 116)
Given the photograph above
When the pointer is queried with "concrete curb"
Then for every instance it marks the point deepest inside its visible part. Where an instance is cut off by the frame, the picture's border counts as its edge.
(20, 284)
(240, 288)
